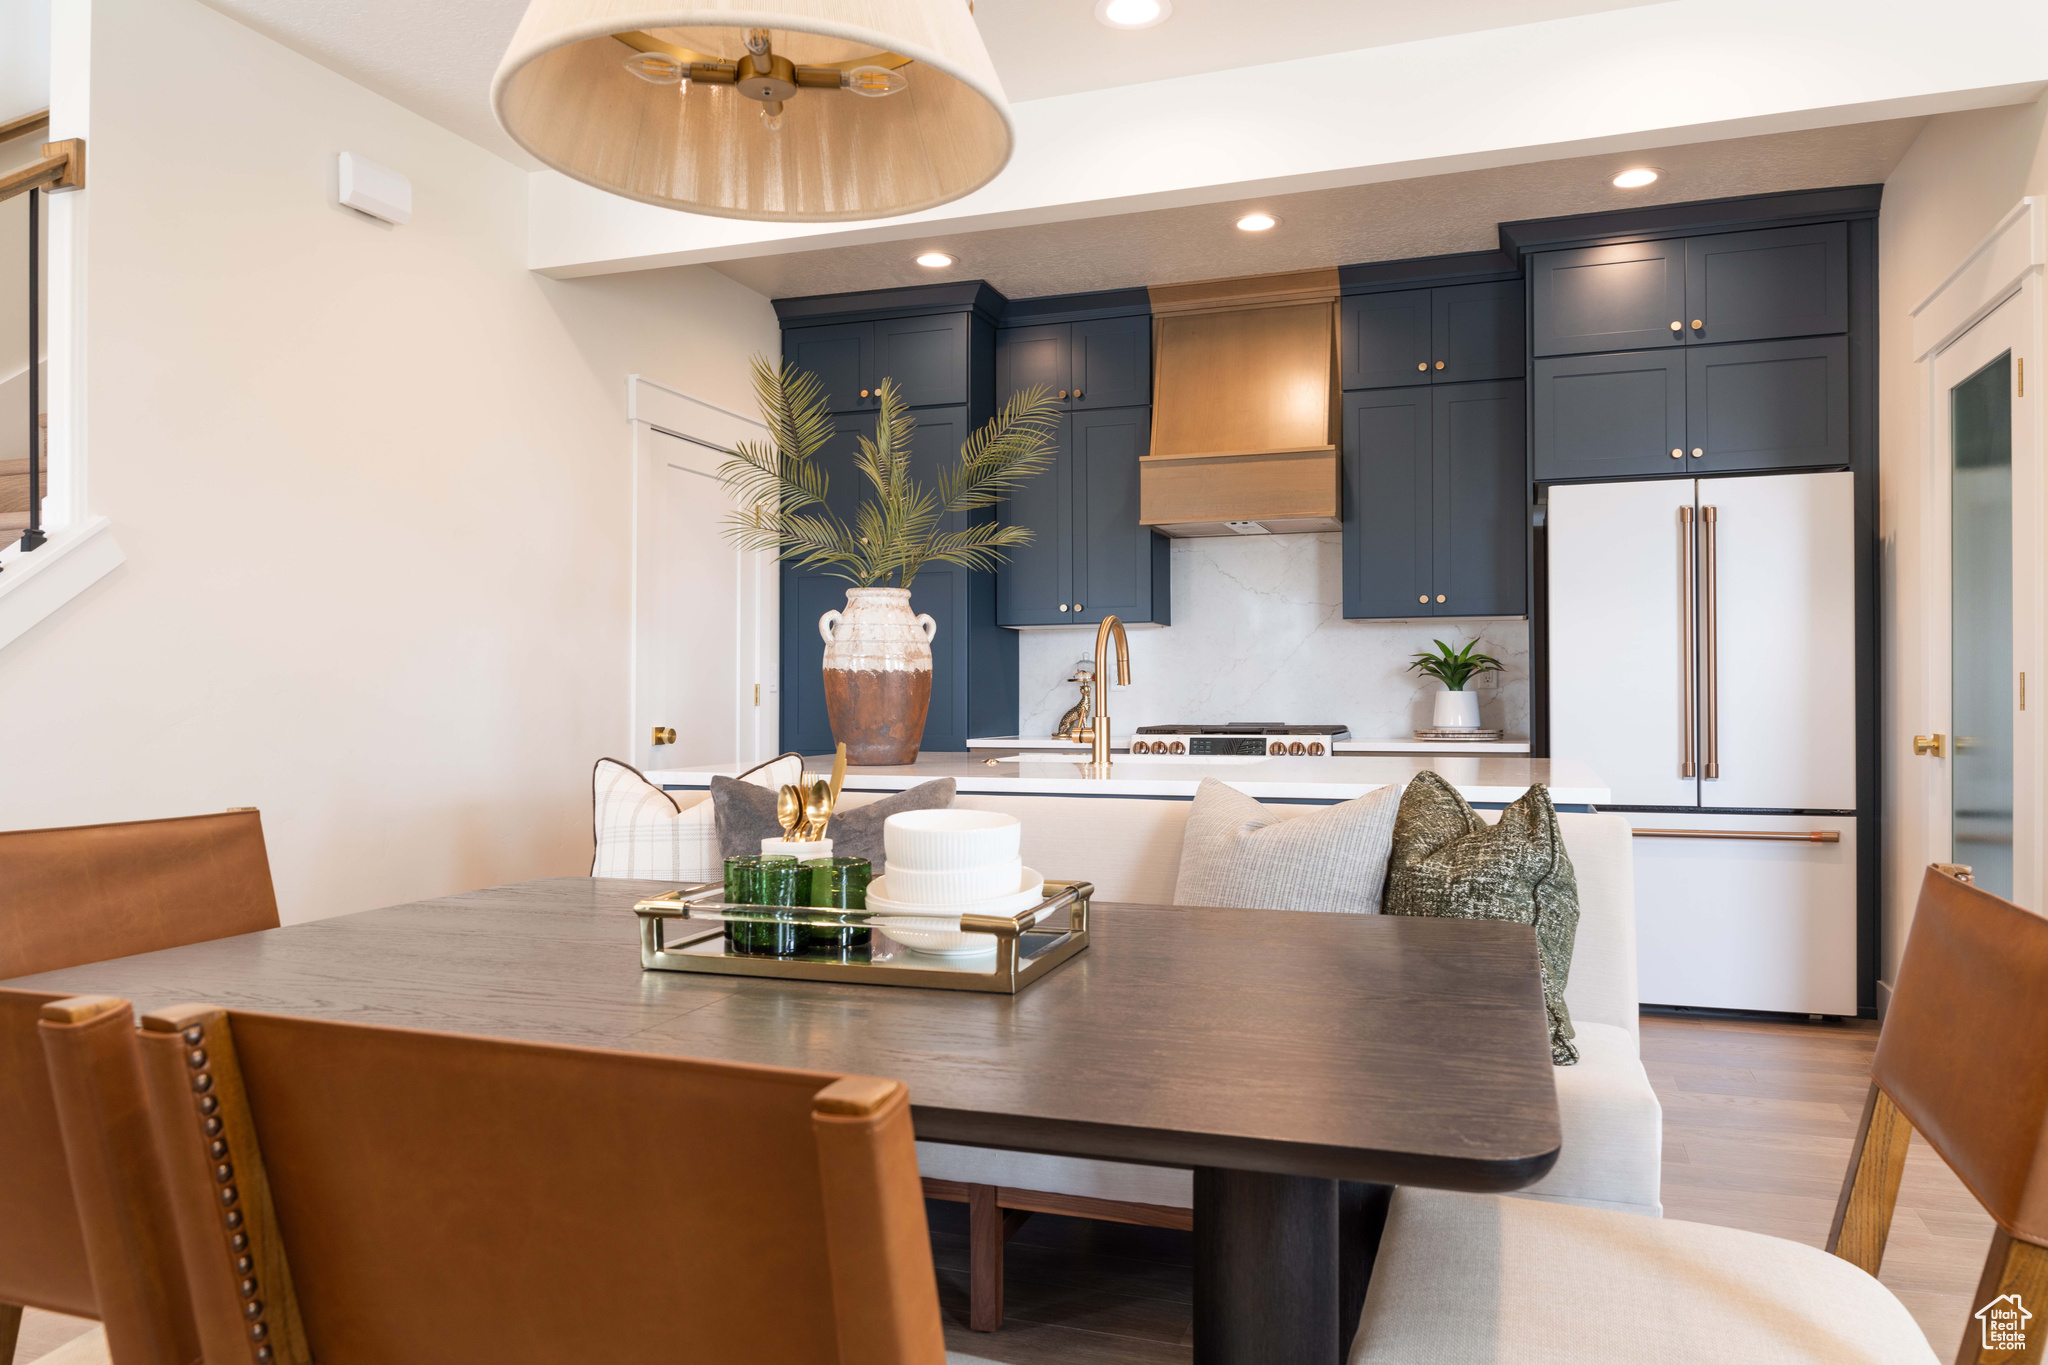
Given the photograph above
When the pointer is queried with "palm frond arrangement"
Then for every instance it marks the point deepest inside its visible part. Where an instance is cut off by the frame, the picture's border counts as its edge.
(1455, 667)
(780, 491)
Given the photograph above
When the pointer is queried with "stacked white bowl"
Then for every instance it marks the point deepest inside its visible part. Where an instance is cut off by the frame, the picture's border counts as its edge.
(944, 863)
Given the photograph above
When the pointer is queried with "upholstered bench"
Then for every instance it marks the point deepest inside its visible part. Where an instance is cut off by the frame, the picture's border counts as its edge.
(1612, 1123)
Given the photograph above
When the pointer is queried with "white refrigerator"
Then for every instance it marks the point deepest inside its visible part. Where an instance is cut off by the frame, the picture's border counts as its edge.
(1702, 658)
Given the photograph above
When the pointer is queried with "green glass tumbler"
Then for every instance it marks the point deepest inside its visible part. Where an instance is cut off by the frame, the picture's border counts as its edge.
(837, 884)
(763, 879)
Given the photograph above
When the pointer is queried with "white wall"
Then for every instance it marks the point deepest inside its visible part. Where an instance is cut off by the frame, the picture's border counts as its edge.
(372, 483)
(1260, 634)
(1951, 188)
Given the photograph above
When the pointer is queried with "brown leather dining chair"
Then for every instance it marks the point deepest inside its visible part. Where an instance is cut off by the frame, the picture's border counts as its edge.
(68, 897)
(1962, 1059)
(425, 1197)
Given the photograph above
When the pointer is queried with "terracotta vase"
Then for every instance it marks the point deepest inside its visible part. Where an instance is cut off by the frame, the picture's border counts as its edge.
(878, 674)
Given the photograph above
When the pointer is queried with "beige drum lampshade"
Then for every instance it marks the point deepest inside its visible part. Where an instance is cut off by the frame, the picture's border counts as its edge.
(565, 92)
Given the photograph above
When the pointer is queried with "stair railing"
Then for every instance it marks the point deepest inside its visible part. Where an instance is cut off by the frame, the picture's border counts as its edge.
(62, 167)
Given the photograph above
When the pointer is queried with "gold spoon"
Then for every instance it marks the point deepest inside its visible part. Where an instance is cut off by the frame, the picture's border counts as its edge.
(789, 809)
(838, 781)
(817, 809)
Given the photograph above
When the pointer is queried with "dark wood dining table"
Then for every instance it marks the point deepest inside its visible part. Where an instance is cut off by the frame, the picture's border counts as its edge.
(1277, 1053)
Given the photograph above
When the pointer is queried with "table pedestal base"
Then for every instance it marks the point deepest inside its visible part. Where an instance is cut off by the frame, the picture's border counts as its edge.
(1265, 1269)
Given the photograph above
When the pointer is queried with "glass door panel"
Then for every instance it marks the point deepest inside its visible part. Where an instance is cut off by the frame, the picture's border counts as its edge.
(1980, 431)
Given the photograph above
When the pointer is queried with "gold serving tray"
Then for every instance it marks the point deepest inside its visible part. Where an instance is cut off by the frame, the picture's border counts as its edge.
(1024, 953)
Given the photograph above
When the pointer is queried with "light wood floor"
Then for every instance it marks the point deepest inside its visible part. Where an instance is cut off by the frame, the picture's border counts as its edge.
(1758, 1118)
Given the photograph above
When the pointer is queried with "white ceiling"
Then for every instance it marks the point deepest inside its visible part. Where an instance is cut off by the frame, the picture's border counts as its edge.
(1390, 220)
(436, 57)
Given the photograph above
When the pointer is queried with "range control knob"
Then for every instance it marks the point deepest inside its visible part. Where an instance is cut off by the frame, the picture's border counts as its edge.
(1315, 746)
(1279, 746)
(1297, 748)
(1179, 747)
(1139, 746)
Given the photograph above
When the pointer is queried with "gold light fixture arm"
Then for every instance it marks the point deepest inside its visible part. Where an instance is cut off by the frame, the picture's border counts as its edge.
(722, 72)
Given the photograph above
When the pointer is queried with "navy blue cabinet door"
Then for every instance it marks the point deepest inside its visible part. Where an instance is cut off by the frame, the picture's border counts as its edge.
(1035, 586)
(842, 356)
(1389, 551)
(1114, 557)
(927, 357)
(1386, 339)
(1481, 491)
(1766, 405)
(1608, 298)
(1112, 363)
(1034, 358)
(1609, 416)
(941, 593)
(1476, 332)
(1780, 282)
(806, 724)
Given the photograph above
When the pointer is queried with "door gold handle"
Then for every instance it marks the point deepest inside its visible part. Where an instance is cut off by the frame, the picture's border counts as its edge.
(1928, 746)
(664, 735)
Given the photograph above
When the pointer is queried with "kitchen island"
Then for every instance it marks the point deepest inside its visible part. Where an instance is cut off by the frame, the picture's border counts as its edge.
(1123, 832)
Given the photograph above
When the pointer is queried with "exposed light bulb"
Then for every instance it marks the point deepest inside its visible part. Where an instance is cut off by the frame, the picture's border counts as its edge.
(1257, 222)
(1635, 178)
(1132, 13)
(771, 117)
(657, 67)
(872, 81)
(935, 260)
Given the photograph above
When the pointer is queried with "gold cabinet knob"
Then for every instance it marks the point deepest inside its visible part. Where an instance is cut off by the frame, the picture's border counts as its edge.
(664, 735)
(1063, 393)
(1077, 606)
(1697, 324)
(1927, 746)
(1439, 364)
(1423, 598)
(1677, 454)
(1697, 453)
(1422, 365)
(1439, 597)
(1063, 606)
(1677, 326)
(1077, 393)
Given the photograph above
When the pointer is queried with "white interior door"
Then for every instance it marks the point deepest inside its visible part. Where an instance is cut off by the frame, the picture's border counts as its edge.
(1778, 628)
(704, 612)
(1619, 657)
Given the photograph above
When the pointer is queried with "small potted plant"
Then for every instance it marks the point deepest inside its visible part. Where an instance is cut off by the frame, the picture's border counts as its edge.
(1456, 709)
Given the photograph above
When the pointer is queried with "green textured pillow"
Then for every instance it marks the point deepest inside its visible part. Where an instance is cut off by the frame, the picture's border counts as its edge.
(1450, 863)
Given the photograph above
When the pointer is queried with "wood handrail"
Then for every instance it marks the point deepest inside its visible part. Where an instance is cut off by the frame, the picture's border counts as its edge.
(24, 125)
(62, 168)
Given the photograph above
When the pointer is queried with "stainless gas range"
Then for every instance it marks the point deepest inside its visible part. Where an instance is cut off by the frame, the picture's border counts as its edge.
(1238, 739)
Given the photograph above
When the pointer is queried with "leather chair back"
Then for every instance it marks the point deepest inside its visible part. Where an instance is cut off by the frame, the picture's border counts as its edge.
(92, 892)
(423, 1197)
(1964, 1051)
(85, 1222)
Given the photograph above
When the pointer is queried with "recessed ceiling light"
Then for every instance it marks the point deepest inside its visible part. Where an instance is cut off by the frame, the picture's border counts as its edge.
(1257, 222)
(1635, 178)
(935, 260)
(1132, 13)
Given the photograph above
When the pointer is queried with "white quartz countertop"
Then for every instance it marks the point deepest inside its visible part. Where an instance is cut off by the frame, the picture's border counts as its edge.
(1480, 778)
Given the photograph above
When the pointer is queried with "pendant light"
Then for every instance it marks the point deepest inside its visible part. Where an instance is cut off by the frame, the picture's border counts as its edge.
(802, 110)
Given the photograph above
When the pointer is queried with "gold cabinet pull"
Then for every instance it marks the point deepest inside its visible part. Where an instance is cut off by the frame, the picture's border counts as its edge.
(1697, 324)
(1677, 326)
(1063, 393)
(1077, 393)
(1423, 598)
(1422, 364)
(1781, 836)
(863, 393)
(1709, 577)
(1439, 597)
(1439, 364)
(1063, 606)
(664, 735)
(1698, 452)
(1928, 746)
(1677, 454)
(1686, 640)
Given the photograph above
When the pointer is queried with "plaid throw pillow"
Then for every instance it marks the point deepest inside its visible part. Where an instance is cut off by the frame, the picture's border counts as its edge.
(642, 832)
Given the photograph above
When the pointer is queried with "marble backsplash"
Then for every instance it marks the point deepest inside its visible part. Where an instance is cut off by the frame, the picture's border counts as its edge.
(1259, 634)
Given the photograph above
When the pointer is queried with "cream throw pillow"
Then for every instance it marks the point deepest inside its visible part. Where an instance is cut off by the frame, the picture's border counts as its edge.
(642, 831)
(1238, 853)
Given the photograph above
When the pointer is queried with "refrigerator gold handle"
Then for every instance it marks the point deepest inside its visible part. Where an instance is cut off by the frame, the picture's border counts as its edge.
(1712, 768)
(1687, 636)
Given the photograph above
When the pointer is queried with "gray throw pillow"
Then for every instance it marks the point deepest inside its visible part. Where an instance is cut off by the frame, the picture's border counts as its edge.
(1238, 853)
(746, 816)
(1448, 862)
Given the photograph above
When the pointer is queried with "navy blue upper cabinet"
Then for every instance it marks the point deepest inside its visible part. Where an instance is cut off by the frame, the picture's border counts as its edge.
(842, 356)
(1389, 494)
(1433, 336)
(1112, 363)
(1386, 339)
(1609, 416)
(1476, 332)
(1727, 286)
(1780, 282)
(1608, 298)
(1034, 358)
(1120, 567)
(1481, 494)
(1035, 585)
(1767, 405)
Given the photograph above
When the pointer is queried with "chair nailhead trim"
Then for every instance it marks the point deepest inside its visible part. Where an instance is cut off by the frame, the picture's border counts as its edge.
(213, 1127)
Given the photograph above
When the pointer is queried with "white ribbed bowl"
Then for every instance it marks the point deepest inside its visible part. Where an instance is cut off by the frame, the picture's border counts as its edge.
(949, 840)
(968, 886)
(882, 900)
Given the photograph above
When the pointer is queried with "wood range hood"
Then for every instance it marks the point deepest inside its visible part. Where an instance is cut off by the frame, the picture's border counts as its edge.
(1244, 407)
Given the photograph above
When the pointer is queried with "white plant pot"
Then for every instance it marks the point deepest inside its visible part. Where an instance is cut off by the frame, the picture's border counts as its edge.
(1457, 711)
